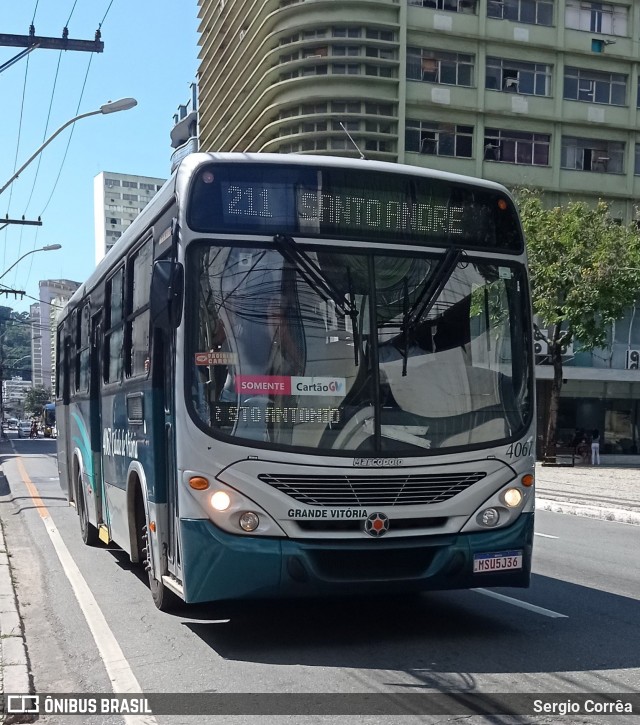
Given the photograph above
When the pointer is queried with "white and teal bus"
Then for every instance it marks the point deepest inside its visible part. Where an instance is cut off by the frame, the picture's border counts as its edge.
(305, 376)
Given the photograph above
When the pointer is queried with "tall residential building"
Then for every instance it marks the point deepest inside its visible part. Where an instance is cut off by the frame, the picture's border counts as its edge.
(539, 92)
(117, 201)
(544, 93)
(54, 294)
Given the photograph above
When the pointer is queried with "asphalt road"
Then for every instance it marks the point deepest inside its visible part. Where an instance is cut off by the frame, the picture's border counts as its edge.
(576, 630)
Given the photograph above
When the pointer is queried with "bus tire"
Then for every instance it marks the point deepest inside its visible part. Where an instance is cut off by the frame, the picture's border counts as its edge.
(164, 599)
(88, 531)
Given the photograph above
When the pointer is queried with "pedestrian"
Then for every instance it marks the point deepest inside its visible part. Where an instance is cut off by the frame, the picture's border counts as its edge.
(595, 448)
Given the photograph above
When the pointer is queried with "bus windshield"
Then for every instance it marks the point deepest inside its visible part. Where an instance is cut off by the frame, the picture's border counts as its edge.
(359, 351)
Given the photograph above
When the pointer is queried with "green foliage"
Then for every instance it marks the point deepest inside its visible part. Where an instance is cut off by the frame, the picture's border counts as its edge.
(585, 267)
(16, 346)
(35, 400)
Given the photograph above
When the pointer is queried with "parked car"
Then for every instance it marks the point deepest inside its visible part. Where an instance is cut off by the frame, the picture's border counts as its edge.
(24, 429)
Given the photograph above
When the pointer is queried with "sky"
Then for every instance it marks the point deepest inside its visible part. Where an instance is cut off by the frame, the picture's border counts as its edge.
(150, 54)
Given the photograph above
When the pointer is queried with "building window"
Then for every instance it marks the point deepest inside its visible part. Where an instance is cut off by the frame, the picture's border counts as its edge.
(380, 71)
(130, 197)
(533, 12)
(379, 127)
(375, 34)
(438, 66)
(384, 53)
(595, 87)
(511, 76)
(312, 34)
(597, 17)
(453, 6)
(350, 126)
(351, 69)
(346, 32)
(589, 154)
(344, 107)
(314, 70)
(516, 147)
(310, 108)
(321, 52)
(636, 168)
(130, 184)
(439, 139)
(378, 109)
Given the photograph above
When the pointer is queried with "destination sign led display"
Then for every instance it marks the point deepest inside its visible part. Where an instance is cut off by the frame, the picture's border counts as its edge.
(351, 204)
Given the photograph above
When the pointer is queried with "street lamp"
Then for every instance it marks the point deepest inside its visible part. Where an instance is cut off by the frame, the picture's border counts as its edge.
(124, 104)
(7, 368)
(46, 248)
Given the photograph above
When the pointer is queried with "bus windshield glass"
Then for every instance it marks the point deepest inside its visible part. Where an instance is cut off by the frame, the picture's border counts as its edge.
(339, 203)
(370, 351)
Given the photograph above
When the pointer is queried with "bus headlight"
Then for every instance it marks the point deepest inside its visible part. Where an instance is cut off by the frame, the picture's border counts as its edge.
(512, 497)
(249, 521)
(489, 517)
(220, 501)
(227, 508)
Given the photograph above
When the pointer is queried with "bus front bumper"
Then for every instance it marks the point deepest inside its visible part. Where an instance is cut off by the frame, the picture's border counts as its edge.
(221, 566)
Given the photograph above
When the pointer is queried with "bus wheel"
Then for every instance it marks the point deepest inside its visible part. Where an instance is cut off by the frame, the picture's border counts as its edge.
(164, 599)
(87, 530)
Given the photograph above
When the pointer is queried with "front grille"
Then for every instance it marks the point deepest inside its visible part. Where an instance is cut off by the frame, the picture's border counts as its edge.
(371, 490)
(355, 525)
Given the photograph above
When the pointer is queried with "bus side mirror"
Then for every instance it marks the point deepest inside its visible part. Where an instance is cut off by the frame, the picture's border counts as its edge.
(167, 287)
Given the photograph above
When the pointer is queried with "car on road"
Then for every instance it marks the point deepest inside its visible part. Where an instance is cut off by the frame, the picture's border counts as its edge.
(24, 429)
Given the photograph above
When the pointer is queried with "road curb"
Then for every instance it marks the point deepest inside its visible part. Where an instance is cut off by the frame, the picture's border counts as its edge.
(15, 673)
(594, 512)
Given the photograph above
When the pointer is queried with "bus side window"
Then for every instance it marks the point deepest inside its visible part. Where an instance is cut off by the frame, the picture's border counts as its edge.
(138, 315)
(114, 331)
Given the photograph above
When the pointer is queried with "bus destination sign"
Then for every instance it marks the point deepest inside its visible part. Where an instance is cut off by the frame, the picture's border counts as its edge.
(344, 204)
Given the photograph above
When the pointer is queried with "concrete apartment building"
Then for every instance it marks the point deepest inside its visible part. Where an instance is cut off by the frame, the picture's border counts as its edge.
(543, 93)
(54, 294)
(117, 201)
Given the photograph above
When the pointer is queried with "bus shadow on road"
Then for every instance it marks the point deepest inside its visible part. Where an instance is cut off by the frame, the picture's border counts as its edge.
(435, 638)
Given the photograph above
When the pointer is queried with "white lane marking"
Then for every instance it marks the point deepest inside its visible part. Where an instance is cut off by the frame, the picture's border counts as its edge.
(118, 669)
(520, 603)
(546, 536)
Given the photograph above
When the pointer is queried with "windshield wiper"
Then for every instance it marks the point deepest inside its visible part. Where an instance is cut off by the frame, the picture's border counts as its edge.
(426, 299)
(314, 277)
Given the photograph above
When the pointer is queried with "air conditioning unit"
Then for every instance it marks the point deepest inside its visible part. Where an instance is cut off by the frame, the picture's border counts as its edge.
(633, 359)
(541, 348)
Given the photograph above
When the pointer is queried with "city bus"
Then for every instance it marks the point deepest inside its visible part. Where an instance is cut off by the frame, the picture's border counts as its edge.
(305, 376)
(48, 420)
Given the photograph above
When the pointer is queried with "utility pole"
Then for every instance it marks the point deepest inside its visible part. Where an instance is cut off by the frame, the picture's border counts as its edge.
(6, 221)
(33, 42)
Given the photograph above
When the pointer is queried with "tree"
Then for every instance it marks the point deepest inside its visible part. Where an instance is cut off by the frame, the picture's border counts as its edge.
(585, 270)
(35, 400)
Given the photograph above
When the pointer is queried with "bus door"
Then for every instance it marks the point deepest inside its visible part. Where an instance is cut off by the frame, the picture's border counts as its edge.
(64, 431)
(95, 411)
(163, 372)
(173, 554)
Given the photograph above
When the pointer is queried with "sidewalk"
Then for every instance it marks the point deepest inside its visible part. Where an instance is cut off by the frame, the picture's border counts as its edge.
(15, 676)
(601, 492)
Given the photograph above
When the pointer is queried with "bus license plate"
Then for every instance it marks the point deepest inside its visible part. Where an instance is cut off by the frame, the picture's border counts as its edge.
(497, 561)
